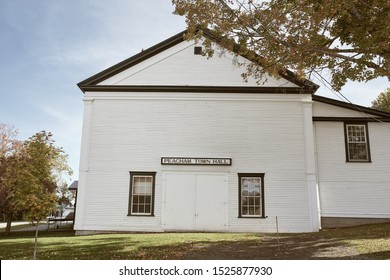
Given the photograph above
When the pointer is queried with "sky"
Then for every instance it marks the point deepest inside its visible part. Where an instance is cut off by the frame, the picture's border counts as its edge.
(48, 46)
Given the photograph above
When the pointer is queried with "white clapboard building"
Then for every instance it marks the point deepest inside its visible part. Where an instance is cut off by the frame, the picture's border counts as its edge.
(175, 141)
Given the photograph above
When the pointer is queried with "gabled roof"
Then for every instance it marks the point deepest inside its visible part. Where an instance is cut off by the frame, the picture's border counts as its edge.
(376, 115)
(91, 84)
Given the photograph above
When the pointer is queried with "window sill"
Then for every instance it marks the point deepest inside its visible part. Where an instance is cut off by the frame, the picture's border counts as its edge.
(254, 217)
(139, 215)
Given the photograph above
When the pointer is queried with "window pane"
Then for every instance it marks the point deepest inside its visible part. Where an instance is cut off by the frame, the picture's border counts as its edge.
(357, 143)
(257, 210)
(357, 151)
(141, 204)
(251, 196)
(135, 208)
(141, 195)
(244, 201)
(250, 186)
(356, 133)
(142, 185)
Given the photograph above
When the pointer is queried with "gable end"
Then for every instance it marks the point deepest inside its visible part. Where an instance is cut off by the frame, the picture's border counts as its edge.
(92, 83)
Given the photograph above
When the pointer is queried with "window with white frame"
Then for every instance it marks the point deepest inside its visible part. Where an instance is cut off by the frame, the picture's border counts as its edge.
(141, 200)
(251, 195)
(357, 145)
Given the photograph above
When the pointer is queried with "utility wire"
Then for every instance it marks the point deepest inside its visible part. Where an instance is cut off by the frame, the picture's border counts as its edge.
(323, 80)
(342, 97)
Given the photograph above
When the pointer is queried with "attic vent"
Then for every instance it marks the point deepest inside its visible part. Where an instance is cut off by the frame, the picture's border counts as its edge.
(198, 50)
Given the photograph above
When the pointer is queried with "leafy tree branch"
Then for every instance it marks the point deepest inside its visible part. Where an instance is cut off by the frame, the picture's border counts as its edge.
(350, 38)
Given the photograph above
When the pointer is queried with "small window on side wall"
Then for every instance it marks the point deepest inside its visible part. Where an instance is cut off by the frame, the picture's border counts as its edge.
(356, 142)
(141, 198)
(251, 195)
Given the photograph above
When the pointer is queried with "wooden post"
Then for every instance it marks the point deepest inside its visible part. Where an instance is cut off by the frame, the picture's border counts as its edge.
(36, 241)
(277, 231)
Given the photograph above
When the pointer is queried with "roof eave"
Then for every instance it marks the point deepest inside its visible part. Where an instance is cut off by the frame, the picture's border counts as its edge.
(205, 89)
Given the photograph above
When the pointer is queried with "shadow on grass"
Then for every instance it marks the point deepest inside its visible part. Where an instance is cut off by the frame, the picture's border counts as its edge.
(328, 244)
(333, 244)
(288, 248)
(66, 246)
(296, 248)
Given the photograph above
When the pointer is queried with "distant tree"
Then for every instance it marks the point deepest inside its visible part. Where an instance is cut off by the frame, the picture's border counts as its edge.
(382, 102)
(31, 171)
(34, 199)
(10, 154)
(351, 39)
(36, 193)
(65, 197)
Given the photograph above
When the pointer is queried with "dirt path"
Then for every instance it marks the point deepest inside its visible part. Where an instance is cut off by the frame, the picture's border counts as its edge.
(296, 248)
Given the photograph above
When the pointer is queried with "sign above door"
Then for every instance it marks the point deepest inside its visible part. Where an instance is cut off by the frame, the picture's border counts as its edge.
(195, 161)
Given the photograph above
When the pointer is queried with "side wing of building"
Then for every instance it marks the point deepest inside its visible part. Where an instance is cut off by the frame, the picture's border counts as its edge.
(353, 162)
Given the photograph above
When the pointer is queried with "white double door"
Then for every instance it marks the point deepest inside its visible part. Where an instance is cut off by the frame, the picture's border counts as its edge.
(196, 201)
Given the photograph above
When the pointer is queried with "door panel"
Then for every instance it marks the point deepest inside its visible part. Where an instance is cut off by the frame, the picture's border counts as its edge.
(196, 202)
(211, 202)
(179, 202)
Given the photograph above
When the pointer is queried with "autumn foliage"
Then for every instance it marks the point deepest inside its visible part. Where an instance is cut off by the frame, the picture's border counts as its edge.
(348, 40)
(30, 173)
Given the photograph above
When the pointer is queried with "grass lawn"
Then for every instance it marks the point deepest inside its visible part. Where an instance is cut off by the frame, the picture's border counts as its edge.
(366, 242)
(64, 245)
(370, 240)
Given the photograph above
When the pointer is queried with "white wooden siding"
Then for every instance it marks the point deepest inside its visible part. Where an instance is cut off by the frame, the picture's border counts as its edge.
(261, 133)
(353, 189)
(179, 66)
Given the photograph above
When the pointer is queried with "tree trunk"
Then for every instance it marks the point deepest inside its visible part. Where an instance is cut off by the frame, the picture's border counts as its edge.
(36, 241)
(9, 222)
